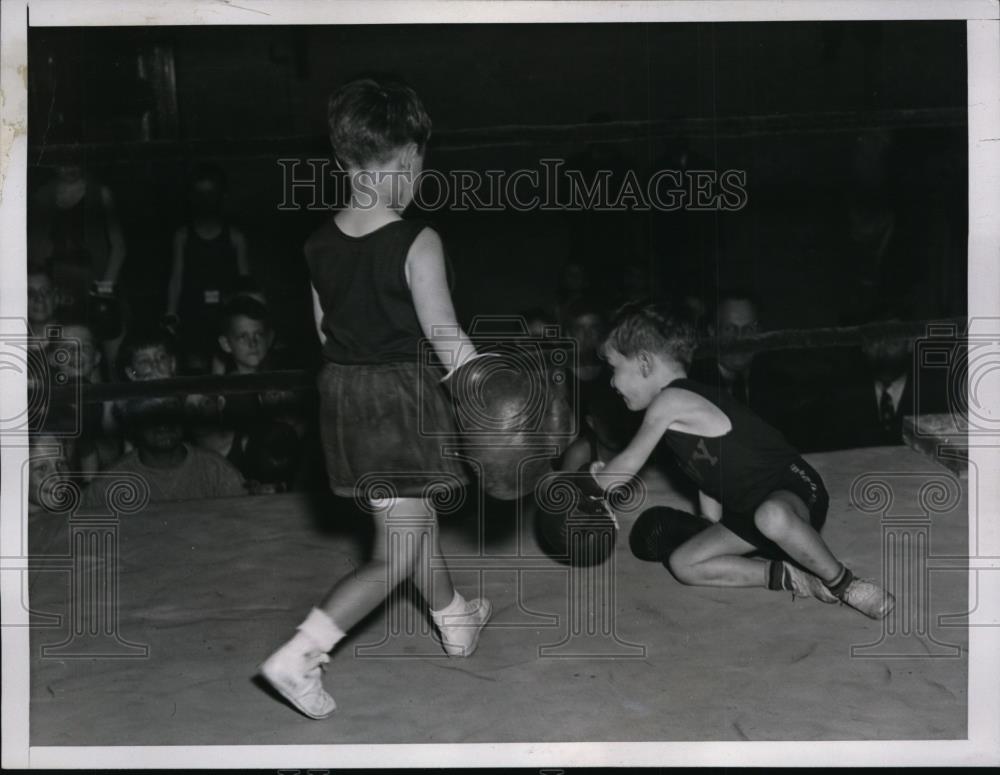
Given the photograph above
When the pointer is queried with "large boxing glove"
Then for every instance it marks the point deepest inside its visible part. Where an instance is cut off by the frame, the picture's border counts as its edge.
(512, 419)
(573, 523)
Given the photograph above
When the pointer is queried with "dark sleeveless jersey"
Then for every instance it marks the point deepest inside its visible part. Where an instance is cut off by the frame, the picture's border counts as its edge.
(210, 265)
(368, 312)
(739, 469)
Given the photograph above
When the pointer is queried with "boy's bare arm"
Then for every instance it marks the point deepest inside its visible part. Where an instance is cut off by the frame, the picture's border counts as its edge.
(428, 280)
(627, 463)
(710, 508)
(318, 315)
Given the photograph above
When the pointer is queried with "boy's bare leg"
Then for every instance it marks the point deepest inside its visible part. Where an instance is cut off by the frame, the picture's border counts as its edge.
(713, 558)
(357, 594)
(784, 519)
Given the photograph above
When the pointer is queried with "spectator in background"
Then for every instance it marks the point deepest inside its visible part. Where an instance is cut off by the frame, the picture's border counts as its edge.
(75, 359)
(748, 378)
(247, 344)
(586, 325)
(735, 318)
(174, 470)
(147, 353)
(75, 236)
(50, 460)
(866, 406)
(209, 257)
(246, 337)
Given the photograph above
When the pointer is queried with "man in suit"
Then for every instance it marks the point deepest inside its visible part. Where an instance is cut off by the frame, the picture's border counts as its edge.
(880, 387)
(750, 379)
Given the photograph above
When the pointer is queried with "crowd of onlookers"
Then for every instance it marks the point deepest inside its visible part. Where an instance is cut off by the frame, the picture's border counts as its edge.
(217, 321)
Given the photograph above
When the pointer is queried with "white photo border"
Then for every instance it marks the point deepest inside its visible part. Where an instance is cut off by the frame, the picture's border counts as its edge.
(982, 746)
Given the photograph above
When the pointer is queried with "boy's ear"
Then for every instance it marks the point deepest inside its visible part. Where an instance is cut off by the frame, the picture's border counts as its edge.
(408, 155)
(645, 363)
(224, 344)
(130, 373)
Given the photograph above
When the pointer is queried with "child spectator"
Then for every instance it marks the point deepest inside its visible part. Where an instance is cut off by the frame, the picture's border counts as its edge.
(209, 257)
(74, 358)
(50, 459)
(246, 336)
(73, 231)
(147, 353)
(173, 470)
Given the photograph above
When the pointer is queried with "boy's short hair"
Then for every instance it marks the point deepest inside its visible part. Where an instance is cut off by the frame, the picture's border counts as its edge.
(243, 306)
(654, 328)
(369, 118)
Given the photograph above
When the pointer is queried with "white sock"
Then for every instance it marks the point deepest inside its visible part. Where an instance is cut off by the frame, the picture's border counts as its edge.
(456, 606)
(321, 629)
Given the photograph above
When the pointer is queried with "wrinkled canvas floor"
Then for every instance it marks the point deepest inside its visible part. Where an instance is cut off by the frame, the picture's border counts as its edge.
(211, 587)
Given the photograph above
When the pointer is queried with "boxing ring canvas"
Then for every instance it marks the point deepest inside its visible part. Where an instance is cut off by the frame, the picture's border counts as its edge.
(164, 652)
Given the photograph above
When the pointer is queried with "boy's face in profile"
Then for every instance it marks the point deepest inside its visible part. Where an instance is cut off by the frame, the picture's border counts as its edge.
(41, 300)
(152, 362)
(633, 378)
(247, 340)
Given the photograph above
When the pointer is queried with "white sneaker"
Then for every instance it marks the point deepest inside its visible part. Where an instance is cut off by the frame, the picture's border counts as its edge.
(460, 632)
(869, 598)
(296, 672)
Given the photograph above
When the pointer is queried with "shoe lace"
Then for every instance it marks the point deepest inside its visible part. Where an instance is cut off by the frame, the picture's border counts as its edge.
(316, 662)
